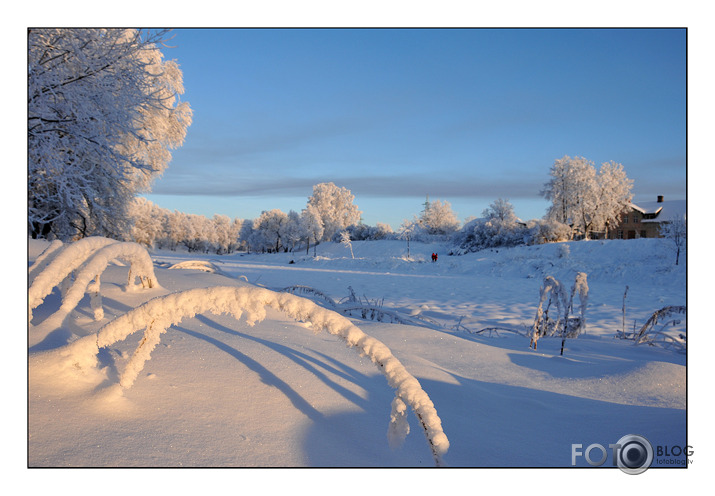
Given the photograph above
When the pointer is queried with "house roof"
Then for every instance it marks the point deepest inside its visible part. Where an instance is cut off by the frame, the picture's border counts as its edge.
(664, 211)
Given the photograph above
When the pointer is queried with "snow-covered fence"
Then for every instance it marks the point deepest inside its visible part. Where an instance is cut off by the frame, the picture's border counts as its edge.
(88, 279)
(553, 293)
(61, 266)
(158, 314)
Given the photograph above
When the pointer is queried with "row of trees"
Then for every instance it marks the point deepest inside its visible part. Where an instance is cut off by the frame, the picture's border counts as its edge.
(104, 111)
(328, 212)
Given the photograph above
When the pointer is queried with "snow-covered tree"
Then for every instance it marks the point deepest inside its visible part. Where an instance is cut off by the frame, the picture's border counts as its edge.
(675, 230)
(177, 229)
(408, 230)
(438, 218)
(571, 189)
(584, 199)
(335, 207)
(293, 230)
(234, 233)
(346, 242)
(613, 195)
(499, 226)
(222, 233)
(103, 112)
(313, 225)
(148, 221)
(268, 230)
(246, 233)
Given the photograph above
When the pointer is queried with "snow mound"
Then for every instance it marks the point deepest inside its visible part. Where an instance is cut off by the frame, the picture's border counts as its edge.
(203, 265)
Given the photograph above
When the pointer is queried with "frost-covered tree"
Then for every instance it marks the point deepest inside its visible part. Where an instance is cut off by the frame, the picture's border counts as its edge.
(408, 230)
(222, 233)
(103, 113)
(347, 242)
(675, 230)
(584, 199)
(571, 189)
(313, 226)
(148, 221)
(268, 230)
(293, 230)
(246, 233)
(177, 229)
(234, 232)
(613, 195)
(336, 209)
(499, 226)
(438, 218)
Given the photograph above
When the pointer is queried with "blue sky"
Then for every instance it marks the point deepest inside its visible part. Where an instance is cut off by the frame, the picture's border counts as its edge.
(462, 115)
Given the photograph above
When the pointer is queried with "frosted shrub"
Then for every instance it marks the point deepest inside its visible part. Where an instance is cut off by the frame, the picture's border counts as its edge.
(553, 293)
(157, 315)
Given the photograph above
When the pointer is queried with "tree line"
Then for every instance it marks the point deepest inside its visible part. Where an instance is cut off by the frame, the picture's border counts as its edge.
(104, 111)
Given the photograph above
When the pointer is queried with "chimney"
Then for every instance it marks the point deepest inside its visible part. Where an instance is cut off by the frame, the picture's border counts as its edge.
(660, 198)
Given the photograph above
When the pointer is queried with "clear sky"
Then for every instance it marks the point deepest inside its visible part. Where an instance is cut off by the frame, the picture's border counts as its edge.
(462, 115)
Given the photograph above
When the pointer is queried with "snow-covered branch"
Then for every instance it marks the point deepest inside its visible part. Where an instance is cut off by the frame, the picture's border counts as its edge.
(61, 265)
(554, 292)
(87, 278)
(157, 315)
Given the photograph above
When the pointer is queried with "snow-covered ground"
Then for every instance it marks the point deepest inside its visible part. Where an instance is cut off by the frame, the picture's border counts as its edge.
(216, 392)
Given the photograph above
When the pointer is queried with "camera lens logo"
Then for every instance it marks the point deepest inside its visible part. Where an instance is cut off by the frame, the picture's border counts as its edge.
(635, 454)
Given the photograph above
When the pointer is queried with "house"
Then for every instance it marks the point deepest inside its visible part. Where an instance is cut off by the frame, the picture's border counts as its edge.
(642, 220)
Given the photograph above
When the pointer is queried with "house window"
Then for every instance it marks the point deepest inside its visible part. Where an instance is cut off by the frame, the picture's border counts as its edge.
(635, 219)
(643, 234)
(619, 234)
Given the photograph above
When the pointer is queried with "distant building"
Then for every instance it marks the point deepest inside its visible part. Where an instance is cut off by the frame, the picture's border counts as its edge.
(642, 220)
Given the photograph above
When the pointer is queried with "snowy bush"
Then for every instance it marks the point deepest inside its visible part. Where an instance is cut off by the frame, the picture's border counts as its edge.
(540, 231)
(158, 314)
(363, 232)
(480, 234)
(498, 227)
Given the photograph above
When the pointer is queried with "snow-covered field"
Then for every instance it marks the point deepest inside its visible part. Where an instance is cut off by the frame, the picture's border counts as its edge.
(217, 392)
